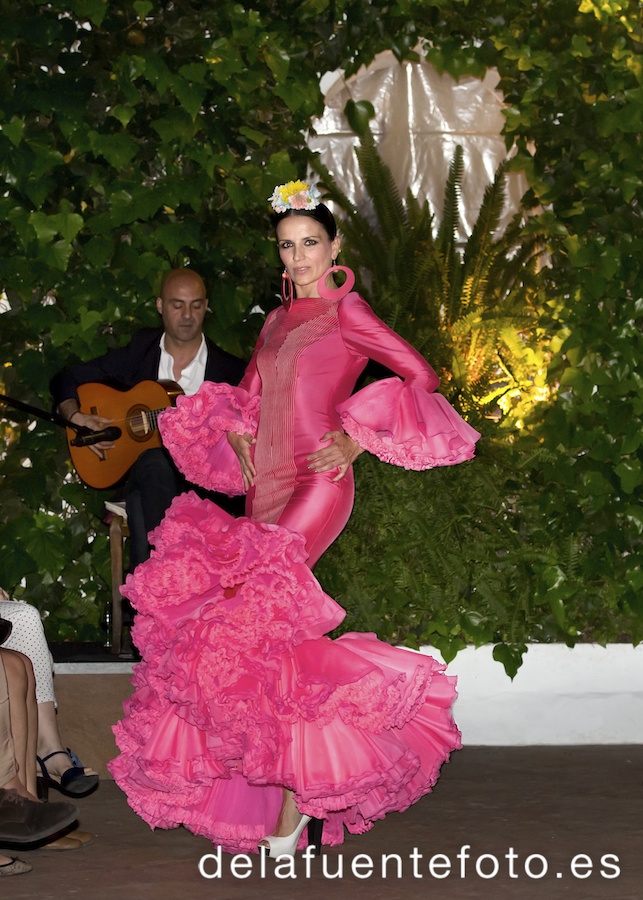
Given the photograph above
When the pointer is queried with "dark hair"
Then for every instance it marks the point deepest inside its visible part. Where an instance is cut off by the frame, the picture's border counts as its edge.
(320, 214)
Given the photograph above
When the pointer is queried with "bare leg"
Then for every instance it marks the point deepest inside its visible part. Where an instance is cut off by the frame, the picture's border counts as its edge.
(16, 785)
(48, 735)
(289, 818)
(24, 715)
(49, 740)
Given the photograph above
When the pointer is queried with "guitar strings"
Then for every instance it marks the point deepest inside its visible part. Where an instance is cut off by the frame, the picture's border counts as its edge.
(150, 415)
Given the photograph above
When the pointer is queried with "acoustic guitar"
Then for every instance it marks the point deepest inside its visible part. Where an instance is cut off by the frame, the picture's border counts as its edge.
(135, 412)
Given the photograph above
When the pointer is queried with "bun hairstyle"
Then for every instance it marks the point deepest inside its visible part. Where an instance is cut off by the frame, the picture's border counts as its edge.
(320, 213)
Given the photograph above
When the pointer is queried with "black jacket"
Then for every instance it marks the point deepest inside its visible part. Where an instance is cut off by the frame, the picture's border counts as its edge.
(124, 367)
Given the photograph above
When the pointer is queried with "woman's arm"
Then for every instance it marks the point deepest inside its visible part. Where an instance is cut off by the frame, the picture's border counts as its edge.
(365, 334)
(210, 434)
(404, 422)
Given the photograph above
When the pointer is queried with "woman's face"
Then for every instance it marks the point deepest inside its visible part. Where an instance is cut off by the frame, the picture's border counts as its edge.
(307, 252)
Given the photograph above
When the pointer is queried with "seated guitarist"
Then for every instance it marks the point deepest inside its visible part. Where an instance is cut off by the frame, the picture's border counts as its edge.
(179, 351)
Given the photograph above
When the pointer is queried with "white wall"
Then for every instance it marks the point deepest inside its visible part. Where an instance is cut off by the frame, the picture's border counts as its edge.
(585, 695)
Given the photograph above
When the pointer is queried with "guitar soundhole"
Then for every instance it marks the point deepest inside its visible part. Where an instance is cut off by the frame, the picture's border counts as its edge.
(140, 423)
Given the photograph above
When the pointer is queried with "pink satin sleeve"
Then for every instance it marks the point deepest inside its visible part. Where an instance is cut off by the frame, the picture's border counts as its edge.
(195, 431)
(404, 425)
(366, 335)
(401, 422)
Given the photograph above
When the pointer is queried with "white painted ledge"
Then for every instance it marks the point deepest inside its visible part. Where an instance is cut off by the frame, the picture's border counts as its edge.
(93, 668)
(585, 695)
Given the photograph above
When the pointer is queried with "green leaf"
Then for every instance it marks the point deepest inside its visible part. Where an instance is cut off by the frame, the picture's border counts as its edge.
(629, 472)
(98, 251)
(89, 319)
(279, 63)
(477, 627)
(94, 10)
(197, 72)
(124, 114)
(14, 130)
(117, 149)
(580, 46)
(190, 96)
(177, 124)
(579, 253)
(56, 255)
(252, 134)
(143, 7)
(174, 237)
(359, 114)
(510, 657)
(14, 566)
(46, 544)
(557, 607)
(47, 227)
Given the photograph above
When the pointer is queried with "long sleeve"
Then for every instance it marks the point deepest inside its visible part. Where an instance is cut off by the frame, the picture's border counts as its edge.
(364, 334)
(195, 430)
(403, 422)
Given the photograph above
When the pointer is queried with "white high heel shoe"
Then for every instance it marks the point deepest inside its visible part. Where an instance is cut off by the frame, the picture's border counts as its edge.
(286, 846)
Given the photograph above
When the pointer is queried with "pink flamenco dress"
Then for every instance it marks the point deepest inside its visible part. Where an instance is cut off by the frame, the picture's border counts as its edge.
(239, 691)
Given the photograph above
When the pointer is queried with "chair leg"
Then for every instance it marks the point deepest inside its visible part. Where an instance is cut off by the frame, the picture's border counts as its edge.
(116, 558)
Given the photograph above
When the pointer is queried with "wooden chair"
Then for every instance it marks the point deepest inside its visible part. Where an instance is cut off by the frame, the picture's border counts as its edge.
(118, 531)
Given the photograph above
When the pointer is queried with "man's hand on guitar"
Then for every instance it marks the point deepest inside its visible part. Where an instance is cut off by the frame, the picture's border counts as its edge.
(96, 423)
(100, 407)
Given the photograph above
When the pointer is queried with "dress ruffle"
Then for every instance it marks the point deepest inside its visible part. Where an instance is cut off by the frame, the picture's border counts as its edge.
(407, 426)
(194, 433)
(240, 693)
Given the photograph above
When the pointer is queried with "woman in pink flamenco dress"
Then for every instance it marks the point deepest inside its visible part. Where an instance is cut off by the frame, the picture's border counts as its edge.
(247, 722)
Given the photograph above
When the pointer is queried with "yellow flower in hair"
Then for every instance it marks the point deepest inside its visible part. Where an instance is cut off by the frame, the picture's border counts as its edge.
(286, 191)
(295, 195)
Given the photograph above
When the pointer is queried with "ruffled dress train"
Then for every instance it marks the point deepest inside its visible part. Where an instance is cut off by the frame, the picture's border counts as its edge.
(240, 693)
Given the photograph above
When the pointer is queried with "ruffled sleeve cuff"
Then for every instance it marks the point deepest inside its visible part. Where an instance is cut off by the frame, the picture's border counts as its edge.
(407, 426)
(194, 432)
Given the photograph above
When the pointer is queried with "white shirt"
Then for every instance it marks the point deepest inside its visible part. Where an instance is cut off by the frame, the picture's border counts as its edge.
(193, 376)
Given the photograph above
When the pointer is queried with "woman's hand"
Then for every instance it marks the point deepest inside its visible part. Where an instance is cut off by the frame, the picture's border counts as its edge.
(340, 454)
(241, 444)
(4, 595)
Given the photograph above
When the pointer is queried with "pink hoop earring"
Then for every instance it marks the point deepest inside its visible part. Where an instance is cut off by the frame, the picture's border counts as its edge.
(287, 290)
(339, 292)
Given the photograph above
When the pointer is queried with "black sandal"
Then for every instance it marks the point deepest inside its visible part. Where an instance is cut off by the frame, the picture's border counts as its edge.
(73, 782)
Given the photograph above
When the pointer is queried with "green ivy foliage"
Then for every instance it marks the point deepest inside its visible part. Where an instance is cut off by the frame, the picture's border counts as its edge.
(138, 136)
(461, 556)
(450, 557)
(578, 97)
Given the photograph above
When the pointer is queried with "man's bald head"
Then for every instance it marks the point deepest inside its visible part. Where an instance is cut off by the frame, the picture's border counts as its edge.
(182, 304)
(186, 279)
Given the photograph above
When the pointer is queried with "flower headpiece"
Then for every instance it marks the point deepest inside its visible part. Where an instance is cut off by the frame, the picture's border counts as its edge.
(295, 195)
